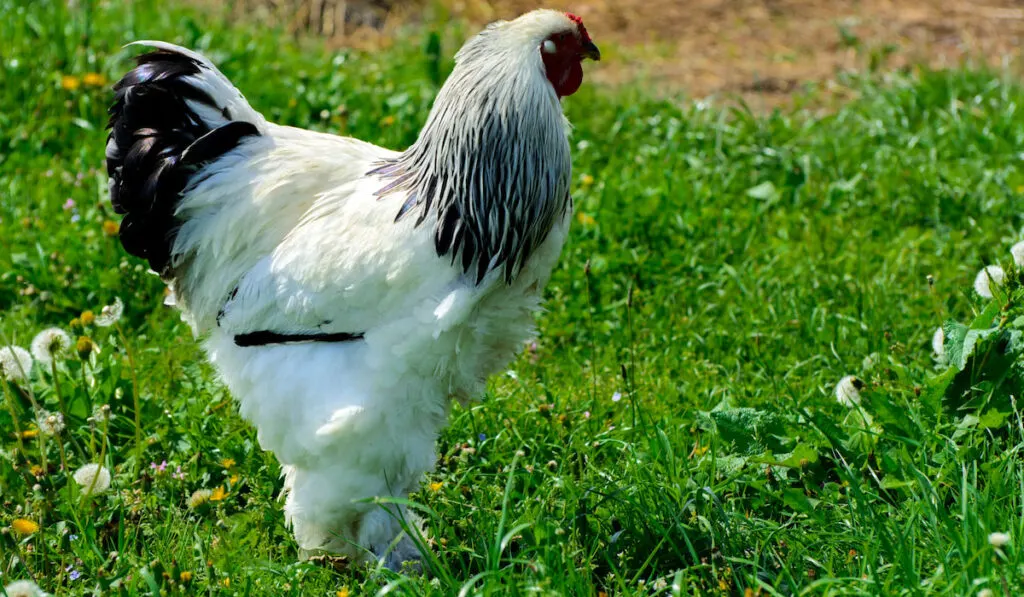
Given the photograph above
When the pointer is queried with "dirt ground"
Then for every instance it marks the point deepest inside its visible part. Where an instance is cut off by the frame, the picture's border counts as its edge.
(769, 48)
(761, 50)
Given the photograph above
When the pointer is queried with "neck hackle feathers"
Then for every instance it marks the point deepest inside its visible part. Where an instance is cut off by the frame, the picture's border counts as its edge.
(491, 167)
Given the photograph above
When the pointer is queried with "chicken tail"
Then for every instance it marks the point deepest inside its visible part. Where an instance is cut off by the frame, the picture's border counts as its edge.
(173, 114)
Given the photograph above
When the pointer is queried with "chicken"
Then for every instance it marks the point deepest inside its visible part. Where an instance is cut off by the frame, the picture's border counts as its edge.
(348, 293)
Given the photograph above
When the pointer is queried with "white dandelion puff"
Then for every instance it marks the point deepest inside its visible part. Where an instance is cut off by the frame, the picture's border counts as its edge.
(848, 391)
(23, 588)
(15, 363)
(939, 342)
(93, 479)
(988, 276)
(50, 344)
(50, 423)
(998, 539)
(101, 414)
(110, 314)
(1017, 251)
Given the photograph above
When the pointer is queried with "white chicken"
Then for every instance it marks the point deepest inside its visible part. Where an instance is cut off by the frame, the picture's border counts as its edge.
(347, 293)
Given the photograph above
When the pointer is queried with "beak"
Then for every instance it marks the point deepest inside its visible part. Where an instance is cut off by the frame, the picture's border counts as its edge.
(589, 50)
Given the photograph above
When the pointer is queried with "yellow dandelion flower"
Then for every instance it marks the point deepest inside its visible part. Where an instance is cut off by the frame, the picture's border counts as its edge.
(94, 79)
(387, 121)
(218, 494)
(700, 451)
(233, 479)
(70, 82)
(185, 576)
(227, 462)
(109, 227)
(226, 582)
(29, 434)
(342, 592)
(585, 219)
(35, 469)
(84, 346)
(586, 180)
(436, 486)
(75, 323)
(748, 592)
(87, 317)
(723, 585)
(24, 526)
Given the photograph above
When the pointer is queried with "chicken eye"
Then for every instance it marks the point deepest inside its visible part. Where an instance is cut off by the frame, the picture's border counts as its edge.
(548, 47)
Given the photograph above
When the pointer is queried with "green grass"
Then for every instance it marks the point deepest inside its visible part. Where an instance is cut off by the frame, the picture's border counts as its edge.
(725, 271)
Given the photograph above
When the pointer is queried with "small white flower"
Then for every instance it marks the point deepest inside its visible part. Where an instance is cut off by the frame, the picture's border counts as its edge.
(988, 276)
(986, 593)
(939, 342)
(101, 414)
(93, 479)
(1017, 251)
(23, 588)
(616, 396)
(15, 363)
(110, 314)
(50, 423)
(998, 539)
(848, 391)
(50, 344)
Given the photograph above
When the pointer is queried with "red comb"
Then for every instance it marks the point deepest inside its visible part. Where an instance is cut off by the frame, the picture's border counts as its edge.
(579, 24)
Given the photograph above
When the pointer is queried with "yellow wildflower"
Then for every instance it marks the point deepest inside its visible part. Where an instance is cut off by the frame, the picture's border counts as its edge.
(226, 582)
(35, 469)
(94, 79)
(227, 462)
(218, 494)
(109, 228)
(24, 526)
(84, 346)
(233, 479)
(185, 576)
(436, 486)
(75, 323)
(87, 317)
(585, 219)
(342, 592)
(387, 121)
(586, 180)
(70, 82)
(29, 434)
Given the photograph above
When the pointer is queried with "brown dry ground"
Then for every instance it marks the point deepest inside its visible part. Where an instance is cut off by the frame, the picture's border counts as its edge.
(760, 50)
(770, 48)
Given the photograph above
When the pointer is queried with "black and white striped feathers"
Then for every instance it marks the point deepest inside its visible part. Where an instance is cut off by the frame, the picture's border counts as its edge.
(165, 125)
(492, 162)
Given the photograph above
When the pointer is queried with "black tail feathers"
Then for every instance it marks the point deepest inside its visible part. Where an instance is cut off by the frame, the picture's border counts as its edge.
(156, 143)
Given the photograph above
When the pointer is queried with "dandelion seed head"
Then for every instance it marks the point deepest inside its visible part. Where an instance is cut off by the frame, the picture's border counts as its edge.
(998, 539)
(939, 342)
(989, 276)
(93, 479)
(50, 344)
(848, 391)
(50, 423)
(23, 588)
(15, 363)
(102, 414)
(110, 314)
(1017, 251)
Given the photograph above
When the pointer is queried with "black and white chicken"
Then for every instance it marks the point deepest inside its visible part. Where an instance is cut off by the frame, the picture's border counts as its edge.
(345, 292)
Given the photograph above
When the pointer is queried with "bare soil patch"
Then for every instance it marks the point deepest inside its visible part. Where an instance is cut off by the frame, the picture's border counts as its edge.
(761, 50)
